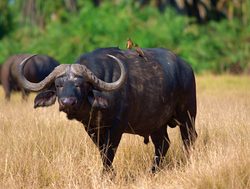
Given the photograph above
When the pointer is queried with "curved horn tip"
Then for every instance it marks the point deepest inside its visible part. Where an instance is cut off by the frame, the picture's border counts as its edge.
(111, 56)
(29, 57)
(115, 58)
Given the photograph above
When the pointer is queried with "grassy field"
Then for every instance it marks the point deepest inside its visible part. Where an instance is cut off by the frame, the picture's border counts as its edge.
(42, 149)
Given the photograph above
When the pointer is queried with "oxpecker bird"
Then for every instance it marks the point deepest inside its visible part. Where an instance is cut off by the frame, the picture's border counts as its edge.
(131, 45)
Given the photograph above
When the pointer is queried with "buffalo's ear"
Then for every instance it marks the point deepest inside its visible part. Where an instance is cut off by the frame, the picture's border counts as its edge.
(98, 100)
(45, 98)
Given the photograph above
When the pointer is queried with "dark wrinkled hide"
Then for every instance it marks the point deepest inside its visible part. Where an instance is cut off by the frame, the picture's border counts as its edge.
(36, 70)
(159, 91)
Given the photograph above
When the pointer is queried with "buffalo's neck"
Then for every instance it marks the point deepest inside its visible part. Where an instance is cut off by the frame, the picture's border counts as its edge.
(82, 114)
(87, 115)
(96, 121)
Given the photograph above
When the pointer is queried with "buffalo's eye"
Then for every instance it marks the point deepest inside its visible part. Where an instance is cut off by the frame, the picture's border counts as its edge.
(59, 83)
(77, 85)
(58, 86)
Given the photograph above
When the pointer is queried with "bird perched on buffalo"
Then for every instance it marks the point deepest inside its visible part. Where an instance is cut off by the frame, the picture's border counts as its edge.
(130, 45)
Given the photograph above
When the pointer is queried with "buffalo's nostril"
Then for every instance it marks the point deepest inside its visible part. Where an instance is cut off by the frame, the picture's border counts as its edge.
(68, 101)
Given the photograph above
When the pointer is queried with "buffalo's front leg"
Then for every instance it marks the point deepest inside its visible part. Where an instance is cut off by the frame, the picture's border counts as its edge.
(161, 143)
(107, 140)
(108, 150)
(112, 139)
(7, 88)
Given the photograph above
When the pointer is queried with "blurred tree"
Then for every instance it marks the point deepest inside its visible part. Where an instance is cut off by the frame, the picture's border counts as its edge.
(37, 12)
(29, 11)
(5, 18)
(202, 10)
(205, 10)
(96, 2)
(160, 5)
(71, 5)
(144, 2)
(214, 13)
(193, 10)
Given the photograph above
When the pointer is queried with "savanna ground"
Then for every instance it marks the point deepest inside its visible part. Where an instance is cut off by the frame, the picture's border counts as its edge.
(40, 148)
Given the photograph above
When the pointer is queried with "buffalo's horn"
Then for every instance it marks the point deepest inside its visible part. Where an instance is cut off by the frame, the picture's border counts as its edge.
(59, 70)
(100, 84)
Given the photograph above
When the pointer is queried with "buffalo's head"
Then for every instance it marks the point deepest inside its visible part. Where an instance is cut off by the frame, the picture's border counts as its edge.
(74, 85)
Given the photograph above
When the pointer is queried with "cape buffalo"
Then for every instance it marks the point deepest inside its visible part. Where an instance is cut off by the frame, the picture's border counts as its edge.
(132, 96)
(36, 70)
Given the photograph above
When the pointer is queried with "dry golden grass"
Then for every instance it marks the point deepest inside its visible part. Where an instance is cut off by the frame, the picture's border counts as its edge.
(42, 149)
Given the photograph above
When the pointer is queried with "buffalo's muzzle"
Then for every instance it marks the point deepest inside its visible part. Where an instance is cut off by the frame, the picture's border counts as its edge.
(68, 101)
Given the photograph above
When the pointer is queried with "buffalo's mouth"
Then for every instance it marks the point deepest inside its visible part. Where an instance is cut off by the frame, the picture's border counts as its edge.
(71, 115)
(70, 111)
(69, 106)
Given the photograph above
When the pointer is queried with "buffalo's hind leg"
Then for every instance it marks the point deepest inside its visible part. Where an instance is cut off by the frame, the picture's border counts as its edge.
(161, 143)
(186, 122)
(24, 94)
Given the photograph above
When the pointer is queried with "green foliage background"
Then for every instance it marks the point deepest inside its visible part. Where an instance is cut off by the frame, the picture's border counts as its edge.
(212, 47)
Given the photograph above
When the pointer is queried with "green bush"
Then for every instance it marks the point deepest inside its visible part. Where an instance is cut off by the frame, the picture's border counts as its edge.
(213, 47)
